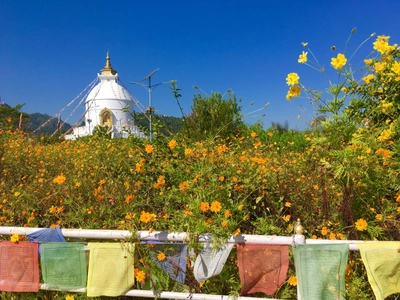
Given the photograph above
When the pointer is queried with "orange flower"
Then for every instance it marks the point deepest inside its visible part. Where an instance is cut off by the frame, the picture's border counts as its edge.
(188, 151)
(146, 217)
(224, 224)
(139, 275)
(292, 280)
(160, 182)
(129, 198)
(253, 134)
(227, 214)
(236, 232)
(149, 149)
(325, 230)
(172, 144)
(161, 256)
(361, 224)
(204, 206)
(184, 187)
(60, 179)
(216, 206)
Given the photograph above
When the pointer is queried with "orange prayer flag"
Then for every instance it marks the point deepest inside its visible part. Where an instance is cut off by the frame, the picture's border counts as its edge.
(19, 267)
(262, 268)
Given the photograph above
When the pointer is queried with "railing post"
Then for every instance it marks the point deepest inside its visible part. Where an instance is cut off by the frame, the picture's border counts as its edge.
(298, 239)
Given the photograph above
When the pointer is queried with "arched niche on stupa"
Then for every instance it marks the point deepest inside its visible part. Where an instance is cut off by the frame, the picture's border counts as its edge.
(106, 117)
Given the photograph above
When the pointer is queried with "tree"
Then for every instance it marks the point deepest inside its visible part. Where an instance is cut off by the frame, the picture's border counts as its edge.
(12, 117)
(213, 116)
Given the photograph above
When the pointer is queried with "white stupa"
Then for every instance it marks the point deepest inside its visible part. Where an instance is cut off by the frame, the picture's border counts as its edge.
(105, 107)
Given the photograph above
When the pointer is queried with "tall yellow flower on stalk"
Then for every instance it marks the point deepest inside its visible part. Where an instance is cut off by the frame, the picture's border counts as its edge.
(303, 57)
(339, 62)
(292, 79)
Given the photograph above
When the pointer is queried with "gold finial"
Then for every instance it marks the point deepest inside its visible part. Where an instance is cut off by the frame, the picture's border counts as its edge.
(298, 228)
(108, 70)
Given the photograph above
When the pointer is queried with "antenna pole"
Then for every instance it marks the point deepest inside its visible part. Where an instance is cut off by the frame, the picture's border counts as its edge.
(150, 88)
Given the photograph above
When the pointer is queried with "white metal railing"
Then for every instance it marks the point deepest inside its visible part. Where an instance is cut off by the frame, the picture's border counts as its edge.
(296, 239)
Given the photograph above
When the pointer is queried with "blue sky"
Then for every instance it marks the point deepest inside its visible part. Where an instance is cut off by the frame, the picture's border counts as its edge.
(51, 50)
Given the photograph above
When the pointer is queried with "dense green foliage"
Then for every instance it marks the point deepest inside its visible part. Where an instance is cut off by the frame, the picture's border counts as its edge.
(213, 116)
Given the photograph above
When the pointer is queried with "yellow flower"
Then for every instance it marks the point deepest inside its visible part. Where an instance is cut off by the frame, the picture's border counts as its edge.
(294, 91)
(382, 44)
(368, 78)
(172, 144)
(332, 236)
(227, 214)
(303, 57)
(396, 67)
(161, 256)
(286, 218)
(14, 238)
(69, 297)
(60, 179)
(292, 280)
(204, 206)
(224, 224)
(288, 204)
(292, 79)
(16, 194)
(385, 135)
(216, 206)
(378, 217)
(339, 62)
(253, 134)
(149, 149)
(361, 225)
(379, 67)
(77, 184)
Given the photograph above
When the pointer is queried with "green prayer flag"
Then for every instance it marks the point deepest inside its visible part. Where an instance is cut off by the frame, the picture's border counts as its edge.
(382, 262)
(63, 265)
(320, 270)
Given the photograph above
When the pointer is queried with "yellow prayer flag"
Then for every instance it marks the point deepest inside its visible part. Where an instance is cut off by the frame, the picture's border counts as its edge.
(110, 269)
(382, 262)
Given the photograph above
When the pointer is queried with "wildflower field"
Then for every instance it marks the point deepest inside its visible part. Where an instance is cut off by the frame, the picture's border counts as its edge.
(340, 177)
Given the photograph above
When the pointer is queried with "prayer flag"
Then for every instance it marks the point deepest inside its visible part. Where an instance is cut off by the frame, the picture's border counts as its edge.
(63, 265)
(47, 235)
(320, 270)
(262, 268)
(175, 260)
(210, 261)
(19, 267)
(382, 261)
(110, 269)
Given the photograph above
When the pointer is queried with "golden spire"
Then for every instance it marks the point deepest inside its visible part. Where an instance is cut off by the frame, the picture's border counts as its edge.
(108, 70)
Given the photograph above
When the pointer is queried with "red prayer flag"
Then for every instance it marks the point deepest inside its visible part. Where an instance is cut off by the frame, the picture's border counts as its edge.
(19, 267)
(262, 268)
